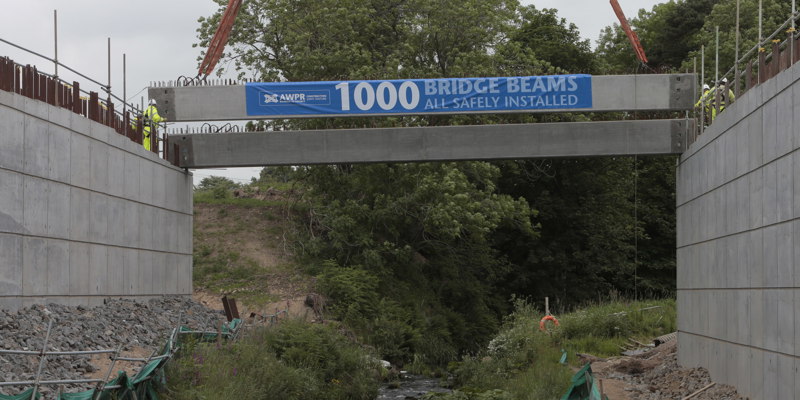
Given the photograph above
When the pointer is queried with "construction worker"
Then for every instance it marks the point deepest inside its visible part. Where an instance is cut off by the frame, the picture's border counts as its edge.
(726, 96)
(706, 100)
(151, 121)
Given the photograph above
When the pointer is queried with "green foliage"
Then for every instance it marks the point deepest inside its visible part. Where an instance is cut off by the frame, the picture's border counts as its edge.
(353, 292)
(222, 268)
(425, 237)
(294, 360)
(600, 329)
(553, 40)
(219, 187)
(434, 250)
(521, 362)
(673, 32)
(213, 197)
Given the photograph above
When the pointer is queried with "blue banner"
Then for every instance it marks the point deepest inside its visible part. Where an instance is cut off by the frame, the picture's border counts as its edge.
(419, 96)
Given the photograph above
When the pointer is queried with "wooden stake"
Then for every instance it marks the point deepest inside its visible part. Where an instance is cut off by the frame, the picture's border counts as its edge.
(547, 306)
(699, 391)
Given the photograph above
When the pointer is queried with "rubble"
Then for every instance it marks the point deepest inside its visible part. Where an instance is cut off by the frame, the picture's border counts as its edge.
(656, 375)
(131, 325)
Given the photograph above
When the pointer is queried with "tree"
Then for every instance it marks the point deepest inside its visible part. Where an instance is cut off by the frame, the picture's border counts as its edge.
(440, 247)
(214, 182)
(552, 40)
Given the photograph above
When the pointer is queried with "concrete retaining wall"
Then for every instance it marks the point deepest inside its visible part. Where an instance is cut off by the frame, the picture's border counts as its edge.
(86, 214)
(738, 229)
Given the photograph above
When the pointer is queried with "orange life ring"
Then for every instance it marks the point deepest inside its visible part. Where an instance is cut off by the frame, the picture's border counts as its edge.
(545, 319)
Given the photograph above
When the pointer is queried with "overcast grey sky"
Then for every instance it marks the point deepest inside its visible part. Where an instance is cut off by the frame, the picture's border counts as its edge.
(157, 36)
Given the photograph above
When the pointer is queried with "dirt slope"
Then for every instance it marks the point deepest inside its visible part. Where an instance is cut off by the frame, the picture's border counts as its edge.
(241, 251)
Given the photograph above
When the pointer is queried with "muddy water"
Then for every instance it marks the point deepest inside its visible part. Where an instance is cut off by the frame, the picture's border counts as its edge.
(411, 387)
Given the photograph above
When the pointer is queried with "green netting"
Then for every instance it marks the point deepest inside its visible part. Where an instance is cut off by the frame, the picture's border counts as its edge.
(87, 395)
(584, 386)
(145, 384)
(26, 395)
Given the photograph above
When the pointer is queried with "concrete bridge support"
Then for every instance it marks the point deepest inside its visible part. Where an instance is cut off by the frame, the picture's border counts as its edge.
(738, 219)
(85, 213)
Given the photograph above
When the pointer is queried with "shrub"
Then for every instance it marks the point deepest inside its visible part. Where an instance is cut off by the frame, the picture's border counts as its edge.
(294, 360)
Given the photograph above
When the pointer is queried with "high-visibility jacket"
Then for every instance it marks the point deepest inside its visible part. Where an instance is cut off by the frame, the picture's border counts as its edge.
(151, 119)
(706, 100)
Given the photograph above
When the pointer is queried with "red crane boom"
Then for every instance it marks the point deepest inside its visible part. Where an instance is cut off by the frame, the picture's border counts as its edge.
(637, 47)
(220, 39)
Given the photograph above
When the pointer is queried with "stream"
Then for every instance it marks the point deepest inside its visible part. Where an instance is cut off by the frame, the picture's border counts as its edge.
(411, 387)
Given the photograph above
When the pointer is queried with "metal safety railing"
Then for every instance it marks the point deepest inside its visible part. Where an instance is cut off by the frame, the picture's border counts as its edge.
(763, 62)
(28, 81)
(126, 388)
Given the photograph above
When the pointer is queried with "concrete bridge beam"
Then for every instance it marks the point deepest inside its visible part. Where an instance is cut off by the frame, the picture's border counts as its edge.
(485, 142)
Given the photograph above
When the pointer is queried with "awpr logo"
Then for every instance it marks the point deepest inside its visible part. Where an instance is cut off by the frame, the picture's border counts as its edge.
(295, 97)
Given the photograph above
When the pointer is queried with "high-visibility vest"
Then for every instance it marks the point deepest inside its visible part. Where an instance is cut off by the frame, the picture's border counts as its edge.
(151, 119)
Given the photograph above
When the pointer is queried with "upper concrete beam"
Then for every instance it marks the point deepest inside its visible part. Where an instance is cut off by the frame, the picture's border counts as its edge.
(609, 93)
(485, 142)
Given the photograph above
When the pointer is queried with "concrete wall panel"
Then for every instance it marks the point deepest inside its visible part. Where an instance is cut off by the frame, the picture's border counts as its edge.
(36, 192)
(785, 254)
(79, 215)
(116, 271)
(11, 262)
(75, 211)
(131, 177)
(99, 166)
(785, 316)
(145, 272)
(98, 270)
(98, 218)
(12, 154)
(58, 210)
(770, 130)
(146, 182)
(36, 147)
(57, 267)
(80, 161)
(130, 272)
(770, 376)
(116, 222)
(11, 197)
(116, 172)
(78, 268)
(130, 229)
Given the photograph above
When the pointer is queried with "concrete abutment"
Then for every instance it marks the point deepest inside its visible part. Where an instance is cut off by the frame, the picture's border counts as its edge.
(85, 213)
(738, 227)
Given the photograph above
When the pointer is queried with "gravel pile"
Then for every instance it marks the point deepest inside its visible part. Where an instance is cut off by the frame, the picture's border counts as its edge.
(139, 328)
(669, 381)
(656, 375)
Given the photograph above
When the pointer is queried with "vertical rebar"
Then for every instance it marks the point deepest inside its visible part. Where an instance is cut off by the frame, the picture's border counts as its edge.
(42, 358)
(124, 85)
(716, 57)
(760, 15)
(108, 88)
(736, 57)
(700, 86)
(791, 48)
(702, 96)
(55, 42)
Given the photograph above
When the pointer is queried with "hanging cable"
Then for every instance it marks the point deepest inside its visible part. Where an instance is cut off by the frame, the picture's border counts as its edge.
(635, 227)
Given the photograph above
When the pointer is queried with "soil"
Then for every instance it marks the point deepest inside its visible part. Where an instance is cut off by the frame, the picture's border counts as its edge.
(102, 363)
(258, 234)
(655, 374)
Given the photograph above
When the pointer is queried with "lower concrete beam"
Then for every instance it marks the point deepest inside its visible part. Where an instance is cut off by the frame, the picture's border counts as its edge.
(420, 144)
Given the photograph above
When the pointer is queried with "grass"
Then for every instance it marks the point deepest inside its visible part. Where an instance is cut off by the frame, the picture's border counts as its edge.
(293, 360)
(522, 362)
(208, 197)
